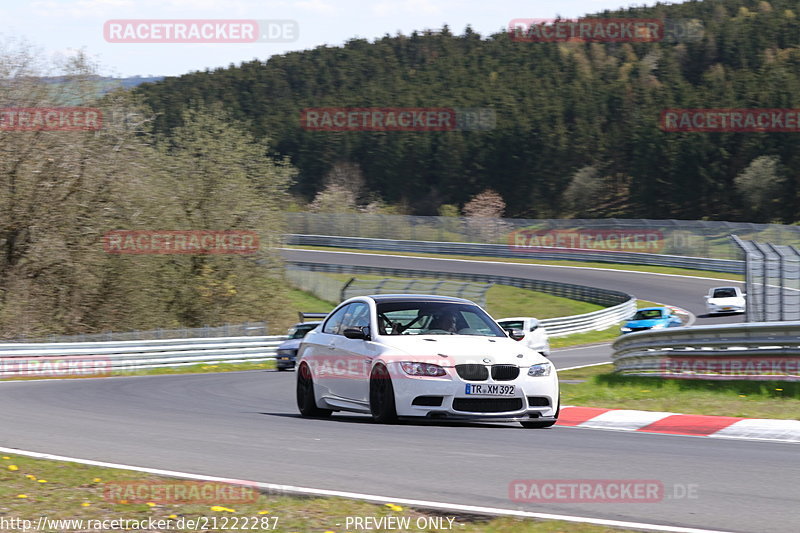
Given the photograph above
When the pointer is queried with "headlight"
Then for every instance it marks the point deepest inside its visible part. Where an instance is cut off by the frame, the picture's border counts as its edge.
(625, 329)
(542, 369)
(422, 369)
(290, 353)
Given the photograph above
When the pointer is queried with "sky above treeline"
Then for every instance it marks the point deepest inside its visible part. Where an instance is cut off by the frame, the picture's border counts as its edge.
(61, 27)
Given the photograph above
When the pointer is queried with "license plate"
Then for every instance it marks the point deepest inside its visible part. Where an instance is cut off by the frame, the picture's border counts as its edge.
(489, 390)
(284, 358)
(727, 308)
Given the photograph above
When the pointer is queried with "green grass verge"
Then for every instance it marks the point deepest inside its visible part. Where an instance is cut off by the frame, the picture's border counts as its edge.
(307, 302)
(505, 301)
(748, 399)
(529, 261)
(32, 488)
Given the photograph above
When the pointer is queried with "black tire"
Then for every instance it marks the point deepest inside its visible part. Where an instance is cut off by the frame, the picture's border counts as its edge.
(533, 424)
(381, 396)
(306, 402)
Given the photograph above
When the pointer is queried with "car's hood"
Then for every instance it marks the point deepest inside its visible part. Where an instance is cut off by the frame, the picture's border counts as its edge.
(291, 344)
(733, 300)
(448, 350)
(645, 323)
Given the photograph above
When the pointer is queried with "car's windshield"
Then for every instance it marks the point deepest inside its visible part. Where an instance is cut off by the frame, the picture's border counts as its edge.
(727, 292)
(435, 318)
(300, 330)
(646, 314)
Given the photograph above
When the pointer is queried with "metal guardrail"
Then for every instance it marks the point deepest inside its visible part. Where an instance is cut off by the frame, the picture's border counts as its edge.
(101, 358)
(596, 320)
(619, 305)
(503, 250)
(753, 351)
(442, 287)
(225, 330)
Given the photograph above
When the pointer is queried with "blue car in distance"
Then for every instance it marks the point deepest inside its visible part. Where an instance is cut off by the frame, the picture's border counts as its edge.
(652, 318)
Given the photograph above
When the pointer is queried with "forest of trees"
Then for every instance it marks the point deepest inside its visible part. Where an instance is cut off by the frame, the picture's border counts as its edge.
(577, 131)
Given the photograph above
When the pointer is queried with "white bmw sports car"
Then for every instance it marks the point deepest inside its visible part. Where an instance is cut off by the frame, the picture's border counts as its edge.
(412, 355)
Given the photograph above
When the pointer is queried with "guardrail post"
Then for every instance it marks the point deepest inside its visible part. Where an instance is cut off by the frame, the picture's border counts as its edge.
(782, 277)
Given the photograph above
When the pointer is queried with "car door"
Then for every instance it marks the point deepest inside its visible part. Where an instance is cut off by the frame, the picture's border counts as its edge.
(325, 360)
(356, 354)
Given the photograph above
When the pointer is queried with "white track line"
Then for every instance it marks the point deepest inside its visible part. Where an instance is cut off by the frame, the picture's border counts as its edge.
(582, 366)
(289, 489)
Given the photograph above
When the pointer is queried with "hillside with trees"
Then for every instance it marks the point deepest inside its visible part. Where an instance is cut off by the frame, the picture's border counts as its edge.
(62, 191)
(577, 132)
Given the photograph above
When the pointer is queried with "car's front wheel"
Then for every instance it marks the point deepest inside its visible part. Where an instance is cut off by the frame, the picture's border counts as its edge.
(306, 402)
(381, 396)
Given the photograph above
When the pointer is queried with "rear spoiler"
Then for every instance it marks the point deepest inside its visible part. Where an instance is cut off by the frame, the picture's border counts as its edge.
(303, 316)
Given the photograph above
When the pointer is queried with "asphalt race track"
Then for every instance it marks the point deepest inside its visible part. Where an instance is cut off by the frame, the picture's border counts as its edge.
(245, 425)
(684, 292)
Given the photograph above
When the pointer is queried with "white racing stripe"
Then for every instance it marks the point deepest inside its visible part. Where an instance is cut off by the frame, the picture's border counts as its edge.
(423, 504)
(624, 419)
(766, 429)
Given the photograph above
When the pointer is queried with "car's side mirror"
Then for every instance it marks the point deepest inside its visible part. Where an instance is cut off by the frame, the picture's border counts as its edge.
(357, 333)
(516, 334)
(707, 296)
(534, 324)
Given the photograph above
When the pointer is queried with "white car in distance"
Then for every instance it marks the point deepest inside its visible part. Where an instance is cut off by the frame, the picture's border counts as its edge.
(535, 338)
(725, 300)
(411, 355)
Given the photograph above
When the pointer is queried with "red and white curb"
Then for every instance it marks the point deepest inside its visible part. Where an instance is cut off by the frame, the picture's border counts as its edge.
(677, 424)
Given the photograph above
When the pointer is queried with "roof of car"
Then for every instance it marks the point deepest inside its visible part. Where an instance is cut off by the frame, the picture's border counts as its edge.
(653, 309)
(382, 298)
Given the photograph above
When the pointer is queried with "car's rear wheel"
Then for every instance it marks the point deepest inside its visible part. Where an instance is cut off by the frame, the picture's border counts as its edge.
(381, 396)
(535, 424)
(306, 402)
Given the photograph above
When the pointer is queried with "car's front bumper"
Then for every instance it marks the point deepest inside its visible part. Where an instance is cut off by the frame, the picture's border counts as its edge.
(446, 397)
(713, 309)
(283, 360)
